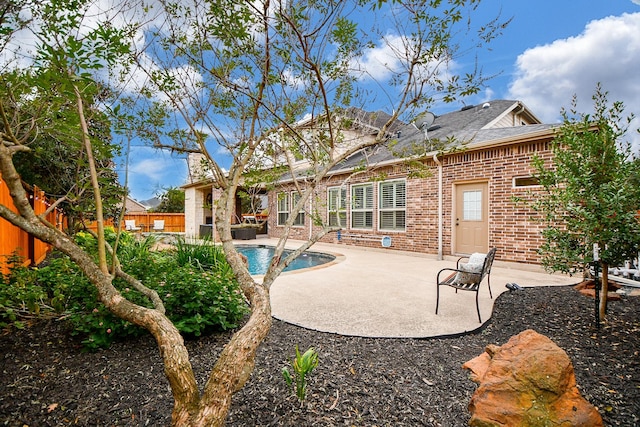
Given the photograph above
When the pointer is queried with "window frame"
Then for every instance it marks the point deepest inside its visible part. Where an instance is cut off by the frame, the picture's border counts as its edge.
(337, 206)
(282, 196)
(398, 206)
(300, 216)
(365, 209)
(526, 181)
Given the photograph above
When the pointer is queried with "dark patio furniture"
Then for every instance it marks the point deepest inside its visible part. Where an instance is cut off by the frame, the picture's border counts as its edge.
(466, 278)
(248, 233)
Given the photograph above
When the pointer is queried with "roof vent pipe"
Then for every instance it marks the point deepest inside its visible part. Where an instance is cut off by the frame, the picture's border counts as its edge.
(486, 105)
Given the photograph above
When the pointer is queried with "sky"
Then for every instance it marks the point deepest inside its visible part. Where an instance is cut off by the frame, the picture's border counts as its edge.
(551, 51)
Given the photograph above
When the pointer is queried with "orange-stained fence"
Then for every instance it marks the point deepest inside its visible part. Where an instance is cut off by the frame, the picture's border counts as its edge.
(145, 221)
(172, 222)
(13, 240)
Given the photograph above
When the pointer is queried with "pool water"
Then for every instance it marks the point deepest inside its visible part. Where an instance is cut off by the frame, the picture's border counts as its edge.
(259, 257)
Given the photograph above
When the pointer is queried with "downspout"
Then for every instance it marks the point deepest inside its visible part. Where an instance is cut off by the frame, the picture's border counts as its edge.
(440, 201)
(310, 218)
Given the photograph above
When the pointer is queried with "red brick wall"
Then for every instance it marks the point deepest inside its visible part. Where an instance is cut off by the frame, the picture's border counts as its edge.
(511, 229)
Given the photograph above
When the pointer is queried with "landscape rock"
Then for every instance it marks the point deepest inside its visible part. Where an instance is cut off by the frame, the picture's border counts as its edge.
(529, 381)
(591, 293)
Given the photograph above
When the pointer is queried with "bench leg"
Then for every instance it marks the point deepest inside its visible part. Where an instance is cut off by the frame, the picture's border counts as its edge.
(478, 305)
(437, 297)
(489, 284)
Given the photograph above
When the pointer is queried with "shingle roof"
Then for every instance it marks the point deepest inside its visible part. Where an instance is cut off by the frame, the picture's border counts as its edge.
(374, 120)
(471, 125)
(466, 125)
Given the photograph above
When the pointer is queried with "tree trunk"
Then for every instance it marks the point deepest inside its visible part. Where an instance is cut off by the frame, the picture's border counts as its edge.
(604, 291)
(235, 363)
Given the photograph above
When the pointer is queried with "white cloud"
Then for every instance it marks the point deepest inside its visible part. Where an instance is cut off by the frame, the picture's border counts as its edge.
(607, 51)
(152, 168)
(381, 61)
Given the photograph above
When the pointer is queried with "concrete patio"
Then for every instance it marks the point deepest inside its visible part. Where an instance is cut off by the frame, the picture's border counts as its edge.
(385, 293)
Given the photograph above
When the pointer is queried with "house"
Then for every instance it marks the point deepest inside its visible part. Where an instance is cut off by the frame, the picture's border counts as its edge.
(133, 206)
(443, 185)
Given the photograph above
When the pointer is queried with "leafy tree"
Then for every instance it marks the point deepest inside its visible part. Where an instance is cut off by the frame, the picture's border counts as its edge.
(590, 196)
(269, 83)
(172, 200)
(57, 159)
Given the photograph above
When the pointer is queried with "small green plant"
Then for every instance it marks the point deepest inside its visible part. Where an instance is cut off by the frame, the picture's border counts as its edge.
(303, 364)
(206, 255)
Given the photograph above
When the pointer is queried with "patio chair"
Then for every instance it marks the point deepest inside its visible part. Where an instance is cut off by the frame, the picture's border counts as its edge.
(130, 225)
(467, 276)
(158, 224)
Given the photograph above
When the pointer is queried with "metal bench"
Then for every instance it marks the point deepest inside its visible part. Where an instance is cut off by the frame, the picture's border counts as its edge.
(466, 279)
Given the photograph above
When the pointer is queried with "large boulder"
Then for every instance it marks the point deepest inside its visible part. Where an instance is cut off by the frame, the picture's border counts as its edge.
(529, 381)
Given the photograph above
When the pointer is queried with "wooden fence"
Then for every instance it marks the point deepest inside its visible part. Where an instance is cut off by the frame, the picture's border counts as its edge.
(173, 222)
(13, 240)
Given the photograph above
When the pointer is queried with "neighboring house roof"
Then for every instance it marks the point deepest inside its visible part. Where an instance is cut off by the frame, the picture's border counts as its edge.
(133, 206)
(150, 203)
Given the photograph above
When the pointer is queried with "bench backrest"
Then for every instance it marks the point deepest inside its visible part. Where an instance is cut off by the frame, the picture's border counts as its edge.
(488, 263)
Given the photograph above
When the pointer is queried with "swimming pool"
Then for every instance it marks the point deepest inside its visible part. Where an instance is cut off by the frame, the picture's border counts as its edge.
(259, 257)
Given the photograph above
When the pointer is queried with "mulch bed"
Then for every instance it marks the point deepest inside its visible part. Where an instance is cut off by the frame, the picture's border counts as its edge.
(47, 380)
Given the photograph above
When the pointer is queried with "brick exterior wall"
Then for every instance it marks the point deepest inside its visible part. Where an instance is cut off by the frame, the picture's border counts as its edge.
(511, 229)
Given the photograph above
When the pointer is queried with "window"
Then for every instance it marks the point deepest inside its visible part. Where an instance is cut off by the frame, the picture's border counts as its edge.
(525, 181)
(299, 221)
(286, 202)
(283, 208)
(337, 200)
(362, 206)
(392, 205)
(472, 205)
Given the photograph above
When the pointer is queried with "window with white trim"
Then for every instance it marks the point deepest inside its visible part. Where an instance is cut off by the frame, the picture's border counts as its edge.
(362, 206)
(299, 221)
(392, 205)
(283, 208)
(525, 181)
(336, 206)
(472, 205)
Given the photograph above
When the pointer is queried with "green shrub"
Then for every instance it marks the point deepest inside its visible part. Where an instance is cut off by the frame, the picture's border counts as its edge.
(19, 294)
(196, 300)
(212, 301)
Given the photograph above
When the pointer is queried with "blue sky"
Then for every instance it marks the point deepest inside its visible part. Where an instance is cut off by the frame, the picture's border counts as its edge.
(550, 51)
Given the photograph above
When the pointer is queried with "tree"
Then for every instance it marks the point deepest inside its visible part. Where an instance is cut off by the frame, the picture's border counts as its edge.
(172, 200)
(589, 196)
(272, 83)
(56, 161)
